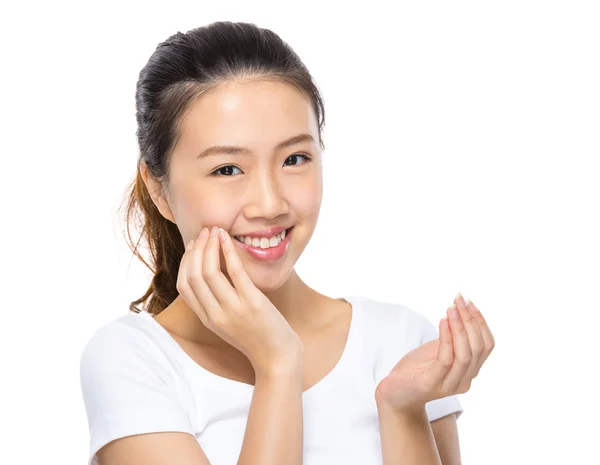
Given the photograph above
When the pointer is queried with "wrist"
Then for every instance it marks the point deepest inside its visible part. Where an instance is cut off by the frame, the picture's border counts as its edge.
(288, 367)
(408, 412)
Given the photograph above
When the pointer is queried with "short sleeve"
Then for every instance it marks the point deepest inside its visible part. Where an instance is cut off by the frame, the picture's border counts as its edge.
(127, 388)
(438, 408)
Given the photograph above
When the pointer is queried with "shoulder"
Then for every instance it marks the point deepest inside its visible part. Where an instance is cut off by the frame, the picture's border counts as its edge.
(399, 322)
(125, 331)
(125, 346)
(128, 385)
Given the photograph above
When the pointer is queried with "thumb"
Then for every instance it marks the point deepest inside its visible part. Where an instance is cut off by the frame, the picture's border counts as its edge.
(445, 354)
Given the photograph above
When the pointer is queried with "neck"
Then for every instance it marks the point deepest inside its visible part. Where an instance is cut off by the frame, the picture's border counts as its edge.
(297, 302)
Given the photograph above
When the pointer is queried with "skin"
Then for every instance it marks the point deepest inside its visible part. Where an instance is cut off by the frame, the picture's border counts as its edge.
(269, 192)
(264, 188)
(440, 368)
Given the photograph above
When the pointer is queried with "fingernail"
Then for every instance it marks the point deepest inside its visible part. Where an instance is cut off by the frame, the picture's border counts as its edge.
(222, 234)
(454, 312)
(445, 323)
(470, 306)
(213, 231)
(189, 245)
(204, 232)
(459, 299)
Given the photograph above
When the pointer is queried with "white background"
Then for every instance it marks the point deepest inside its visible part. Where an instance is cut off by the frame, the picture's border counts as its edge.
(462, 154)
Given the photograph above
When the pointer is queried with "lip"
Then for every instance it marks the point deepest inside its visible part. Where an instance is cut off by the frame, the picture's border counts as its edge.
(272, 253)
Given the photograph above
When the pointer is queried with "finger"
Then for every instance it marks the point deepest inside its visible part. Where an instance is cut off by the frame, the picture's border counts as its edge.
(236, 271)
(462, 352)
(475, 340)
(486, 334)
(225, 294)
(196, 280)
(445, 354)
(183, 286)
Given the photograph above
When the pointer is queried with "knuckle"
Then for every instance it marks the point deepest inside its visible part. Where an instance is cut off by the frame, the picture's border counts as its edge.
(462, 362)
(467, 318)
(464, 387)
(235, 271)
(217, 319)
(459, 331)
(446, 362)
(208, 274)
(464, 359)
(181, 291)
(478, 351)
(194, 279)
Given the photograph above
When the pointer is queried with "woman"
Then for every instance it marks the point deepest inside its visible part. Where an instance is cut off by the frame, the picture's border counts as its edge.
(235, 359)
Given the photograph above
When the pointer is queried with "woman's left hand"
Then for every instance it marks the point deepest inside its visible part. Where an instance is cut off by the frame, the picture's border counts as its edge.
(442, 367)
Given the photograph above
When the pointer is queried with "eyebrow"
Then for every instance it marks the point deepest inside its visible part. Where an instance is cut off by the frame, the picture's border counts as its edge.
(234, 150)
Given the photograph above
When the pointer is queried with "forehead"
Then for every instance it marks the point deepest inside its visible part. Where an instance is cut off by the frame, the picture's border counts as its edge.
(256, 115)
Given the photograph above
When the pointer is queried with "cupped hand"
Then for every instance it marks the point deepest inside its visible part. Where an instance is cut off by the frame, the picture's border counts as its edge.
(442, 367)
(240, 313)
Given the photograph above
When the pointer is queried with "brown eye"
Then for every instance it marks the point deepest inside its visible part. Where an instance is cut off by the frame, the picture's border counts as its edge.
(306, 157)
(224, 169)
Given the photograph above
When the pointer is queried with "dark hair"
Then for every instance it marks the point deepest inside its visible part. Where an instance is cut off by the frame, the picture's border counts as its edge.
(180, 70)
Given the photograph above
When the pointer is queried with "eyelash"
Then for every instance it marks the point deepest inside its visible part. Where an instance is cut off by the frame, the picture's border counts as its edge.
(215, 172)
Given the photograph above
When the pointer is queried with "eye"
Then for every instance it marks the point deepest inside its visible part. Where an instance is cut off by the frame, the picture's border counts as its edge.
(306, 157)
(220, 170)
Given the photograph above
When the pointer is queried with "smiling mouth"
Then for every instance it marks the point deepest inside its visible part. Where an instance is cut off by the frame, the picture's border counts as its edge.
(264, 242)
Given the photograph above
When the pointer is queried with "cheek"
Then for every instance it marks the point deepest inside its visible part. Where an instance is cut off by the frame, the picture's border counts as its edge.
(207, 209)
(308, 202)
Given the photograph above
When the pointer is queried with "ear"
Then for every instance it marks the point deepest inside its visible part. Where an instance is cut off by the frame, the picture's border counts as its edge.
(156, 193)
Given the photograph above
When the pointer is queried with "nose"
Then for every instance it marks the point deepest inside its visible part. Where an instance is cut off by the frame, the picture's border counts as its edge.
(264, 197)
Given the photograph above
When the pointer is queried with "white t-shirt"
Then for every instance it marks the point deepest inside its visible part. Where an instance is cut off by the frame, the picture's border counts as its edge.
(136, 379)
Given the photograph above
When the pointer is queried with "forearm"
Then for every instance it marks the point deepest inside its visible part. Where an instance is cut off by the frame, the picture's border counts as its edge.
(274, 430)
(407, 438)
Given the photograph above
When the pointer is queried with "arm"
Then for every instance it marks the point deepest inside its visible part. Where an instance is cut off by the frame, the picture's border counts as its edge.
(445, 431)
(273, 431)
(404, 437)
(407, 438)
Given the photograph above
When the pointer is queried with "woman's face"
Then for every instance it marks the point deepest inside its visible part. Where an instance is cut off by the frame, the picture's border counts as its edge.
(261, 186)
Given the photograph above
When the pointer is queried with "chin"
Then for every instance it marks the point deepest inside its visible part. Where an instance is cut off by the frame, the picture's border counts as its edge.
(268, 280)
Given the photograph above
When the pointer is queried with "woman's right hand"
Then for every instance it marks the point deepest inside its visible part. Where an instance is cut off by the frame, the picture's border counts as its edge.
(240, 314)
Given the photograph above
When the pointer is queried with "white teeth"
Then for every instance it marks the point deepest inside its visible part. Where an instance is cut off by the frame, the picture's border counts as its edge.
(262, 242)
